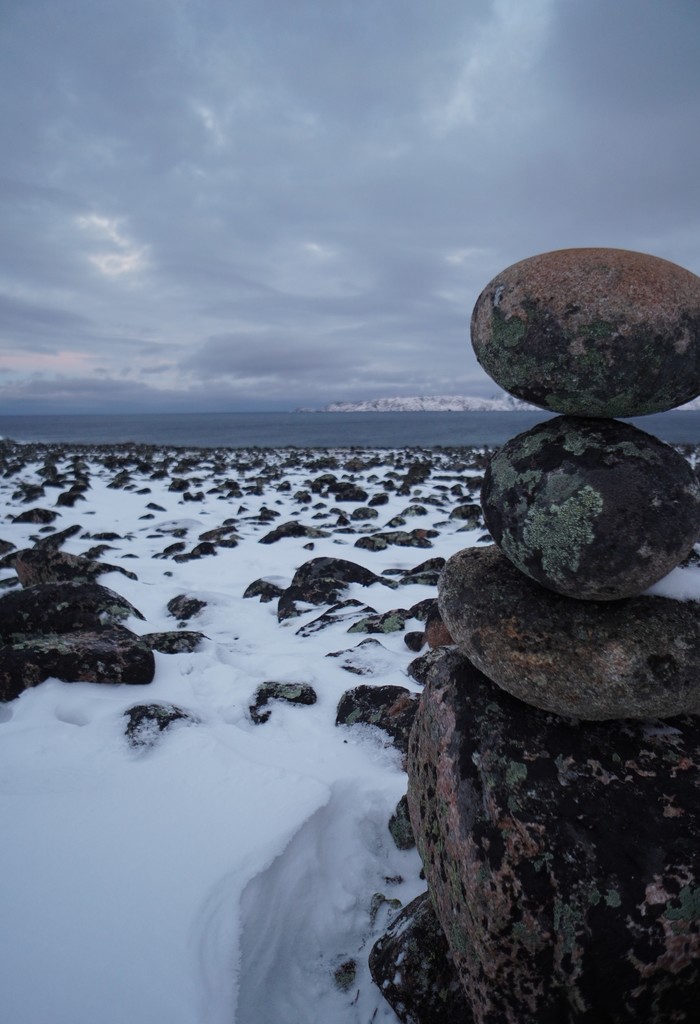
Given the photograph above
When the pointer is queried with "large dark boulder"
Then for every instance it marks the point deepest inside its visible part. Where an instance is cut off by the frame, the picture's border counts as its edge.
(563, 858)
(109, 655)
(594, 509)
(592, 332)
(323, 581)
(61, 608)
(636, 658)
(412, 966)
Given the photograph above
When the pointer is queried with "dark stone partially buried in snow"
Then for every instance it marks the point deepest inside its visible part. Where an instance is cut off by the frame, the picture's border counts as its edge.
(292, 529)
(44, 564)
(61, 608)
(426, 574)
(184, 607)
(146, 722)
(323, 581)
(349, 610)
(385, 622)
(57, 539)
(594, 509)
(110, 655)
(291, 693)
(264, 589)
(637, 658)
(401, 538)
(592, 332)
(412, 967)
(368, 658)
(469, 514)
(563, 858)
(36, 515)
(176, 642)
(347, 491)
(390, 708)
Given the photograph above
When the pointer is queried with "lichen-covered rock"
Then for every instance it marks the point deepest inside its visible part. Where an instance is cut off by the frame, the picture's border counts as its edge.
(592, 332)
(109, 655)
(291, 693)
(390, 708)
(382, 622)
(323, 581)
(146, 722)
(61, 608)
(179, 641)
(595, 509)
(401, 538)
(412, 966)
(563, 858)
(400, 826)
(45, 564)
(636, 658)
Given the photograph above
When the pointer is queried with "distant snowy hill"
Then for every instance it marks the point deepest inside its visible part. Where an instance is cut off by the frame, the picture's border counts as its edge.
(429, 403)
(447, 403)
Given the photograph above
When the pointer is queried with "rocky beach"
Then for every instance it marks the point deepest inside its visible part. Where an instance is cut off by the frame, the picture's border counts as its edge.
(211, 662)
(207, 694)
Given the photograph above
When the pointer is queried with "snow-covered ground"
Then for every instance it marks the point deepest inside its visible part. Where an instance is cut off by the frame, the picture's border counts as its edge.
(224, 874)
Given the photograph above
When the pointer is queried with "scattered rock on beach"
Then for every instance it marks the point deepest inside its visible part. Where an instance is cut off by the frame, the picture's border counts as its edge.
(323, 581)
(61, 608)
(146, 722)
(44, 564)
(292, 529)
(109, 655)
(179, 641)
(291, 693)
(185, 607)
(400, 826)
(390, 708)
(265, 590)
(412, 966)
(36, 515)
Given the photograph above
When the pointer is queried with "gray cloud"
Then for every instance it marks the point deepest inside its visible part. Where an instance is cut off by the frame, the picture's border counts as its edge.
(293, 203)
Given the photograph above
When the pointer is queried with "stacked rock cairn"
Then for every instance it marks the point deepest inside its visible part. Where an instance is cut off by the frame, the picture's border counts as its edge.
(557, 812)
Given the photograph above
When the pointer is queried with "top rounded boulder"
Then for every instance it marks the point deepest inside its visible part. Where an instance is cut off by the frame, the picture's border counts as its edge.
(592, 332)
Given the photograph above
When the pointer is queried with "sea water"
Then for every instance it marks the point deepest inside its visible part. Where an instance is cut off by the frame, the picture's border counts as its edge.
(312, 430)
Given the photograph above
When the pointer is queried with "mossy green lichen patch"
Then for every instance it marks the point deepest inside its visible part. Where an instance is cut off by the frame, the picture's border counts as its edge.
(561, 532)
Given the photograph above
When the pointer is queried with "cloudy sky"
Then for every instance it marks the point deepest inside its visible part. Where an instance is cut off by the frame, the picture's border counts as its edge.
(256, 204)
